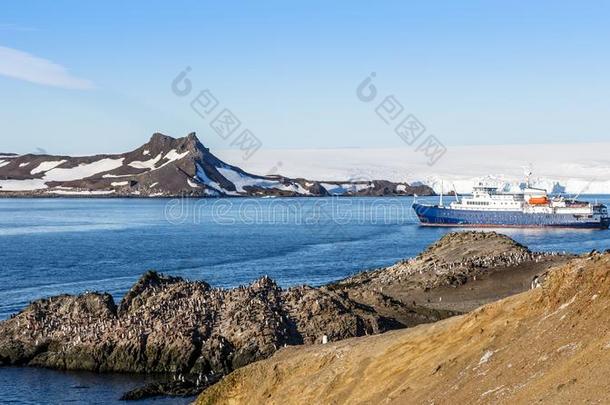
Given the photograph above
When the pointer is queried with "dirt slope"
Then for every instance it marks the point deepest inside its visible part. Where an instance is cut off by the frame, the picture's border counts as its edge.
(547, 345)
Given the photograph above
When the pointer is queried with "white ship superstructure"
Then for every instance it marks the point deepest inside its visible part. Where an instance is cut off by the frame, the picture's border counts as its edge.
(531, 207)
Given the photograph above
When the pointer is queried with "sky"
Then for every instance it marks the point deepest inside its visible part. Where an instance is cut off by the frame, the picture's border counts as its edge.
(96, 77)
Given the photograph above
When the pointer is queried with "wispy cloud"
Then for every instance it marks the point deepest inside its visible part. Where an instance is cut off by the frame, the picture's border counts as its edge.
(24, 66)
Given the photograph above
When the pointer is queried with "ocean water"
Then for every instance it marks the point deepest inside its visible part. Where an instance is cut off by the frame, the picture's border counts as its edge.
(53, 246)
(41, 386)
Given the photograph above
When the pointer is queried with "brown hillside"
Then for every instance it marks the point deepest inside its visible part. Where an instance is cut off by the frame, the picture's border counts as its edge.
(547, 345)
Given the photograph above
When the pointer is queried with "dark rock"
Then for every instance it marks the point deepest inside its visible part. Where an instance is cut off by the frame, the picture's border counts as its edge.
(175, 388)
(169, 325)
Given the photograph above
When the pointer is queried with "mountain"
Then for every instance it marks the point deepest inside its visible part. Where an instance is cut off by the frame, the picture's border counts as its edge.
(164, 167)
(548, 345)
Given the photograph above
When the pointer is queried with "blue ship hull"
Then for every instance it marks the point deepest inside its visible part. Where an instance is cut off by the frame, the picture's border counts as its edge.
(441, 216)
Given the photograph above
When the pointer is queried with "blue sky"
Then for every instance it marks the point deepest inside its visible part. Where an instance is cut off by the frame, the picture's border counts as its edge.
(78, 77)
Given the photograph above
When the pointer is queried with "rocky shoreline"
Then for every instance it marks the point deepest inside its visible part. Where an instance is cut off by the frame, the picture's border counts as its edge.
(188, 330)
(194, 334)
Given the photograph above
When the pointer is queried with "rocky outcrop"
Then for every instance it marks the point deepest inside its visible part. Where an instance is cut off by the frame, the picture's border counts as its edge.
(452, 260)
(548, 345)
(165, 167)
(177, 387)
(169, 325)
(456, 274)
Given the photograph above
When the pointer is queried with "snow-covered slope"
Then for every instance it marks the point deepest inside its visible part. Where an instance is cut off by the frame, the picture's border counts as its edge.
(575, 168)
(166, 166)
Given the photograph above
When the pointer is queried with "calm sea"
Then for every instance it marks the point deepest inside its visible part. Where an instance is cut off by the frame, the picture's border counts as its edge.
(53, 246)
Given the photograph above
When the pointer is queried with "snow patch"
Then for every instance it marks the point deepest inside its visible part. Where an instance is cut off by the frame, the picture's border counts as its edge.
(192, 183)
(24, 164)
(147, 164)
(22, 185)
(114, 176)
(52, 173)
(151, 164)
(242, 180)
(84, 192)
(202, 177)
(83, 170)
(344, 188)
(46, 166)
(172, 156)
(3, 163)
(119, 183)
(239, 180)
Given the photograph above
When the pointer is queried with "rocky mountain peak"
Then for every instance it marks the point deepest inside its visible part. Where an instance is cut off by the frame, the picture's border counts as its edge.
(158, 137)
(192, 137)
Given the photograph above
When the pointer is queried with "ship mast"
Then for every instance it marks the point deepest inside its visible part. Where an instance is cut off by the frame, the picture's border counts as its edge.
(528, 174)
(455, 192)
(440, 202)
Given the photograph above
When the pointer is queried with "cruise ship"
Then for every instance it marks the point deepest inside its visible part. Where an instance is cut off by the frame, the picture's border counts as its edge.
(531, 207)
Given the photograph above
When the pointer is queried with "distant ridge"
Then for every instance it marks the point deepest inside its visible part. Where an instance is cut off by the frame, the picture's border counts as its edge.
(165, 167)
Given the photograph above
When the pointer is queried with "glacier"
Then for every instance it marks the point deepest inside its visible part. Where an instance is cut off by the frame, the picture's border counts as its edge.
(580, 168)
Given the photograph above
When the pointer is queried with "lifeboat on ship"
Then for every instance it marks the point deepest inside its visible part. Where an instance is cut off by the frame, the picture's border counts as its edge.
(538, 200)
